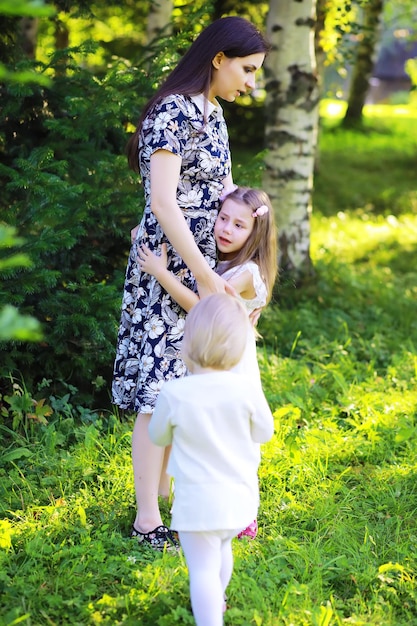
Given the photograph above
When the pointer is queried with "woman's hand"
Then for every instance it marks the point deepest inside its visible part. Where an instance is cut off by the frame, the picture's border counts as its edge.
(152, 263)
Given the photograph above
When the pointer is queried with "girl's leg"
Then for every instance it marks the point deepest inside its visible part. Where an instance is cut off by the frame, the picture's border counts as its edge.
(203, 553)
(147, 466)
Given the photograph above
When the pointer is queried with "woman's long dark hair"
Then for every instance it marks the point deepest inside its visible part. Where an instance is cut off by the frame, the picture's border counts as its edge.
(234, 36)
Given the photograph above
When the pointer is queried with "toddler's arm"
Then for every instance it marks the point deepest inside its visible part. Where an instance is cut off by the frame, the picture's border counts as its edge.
(262, 425)
(157, 266)
(160, 426)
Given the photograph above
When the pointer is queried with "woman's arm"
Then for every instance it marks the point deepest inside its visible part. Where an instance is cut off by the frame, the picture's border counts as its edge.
(165, 173)
(228, 186)
(157, 266)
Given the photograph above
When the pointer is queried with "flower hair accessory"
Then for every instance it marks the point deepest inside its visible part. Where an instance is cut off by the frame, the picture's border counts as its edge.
(261, 210)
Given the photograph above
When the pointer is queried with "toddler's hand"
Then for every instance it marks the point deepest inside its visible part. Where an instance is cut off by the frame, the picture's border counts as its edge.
(152, 263)
(254, 316)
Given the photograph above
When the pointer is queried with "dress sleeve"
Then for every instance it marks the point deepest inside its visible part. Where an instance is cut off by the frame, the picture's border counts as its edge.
(167, 126)
(258, 284)
(259, 300)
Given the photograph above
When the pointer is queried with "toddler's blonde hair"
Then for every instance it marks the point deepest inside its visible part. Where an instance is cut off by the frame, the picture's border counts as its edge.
(215, 333)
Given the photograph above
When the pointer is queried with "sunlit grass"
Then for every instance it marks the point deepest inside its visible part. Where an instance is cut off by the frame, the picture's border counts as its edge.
(336, 109)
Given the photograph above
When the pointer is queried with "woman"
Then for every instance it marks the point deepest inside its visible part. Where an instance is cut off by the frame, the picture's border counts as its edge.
(181, 151)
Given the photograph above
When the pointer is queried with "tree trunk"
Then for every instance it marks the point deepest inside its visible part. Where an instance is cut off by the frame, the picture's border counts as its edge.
(321, 12)
(29, 36)
(159, 18)
(61, 42)
(364, 63)
(291, 128)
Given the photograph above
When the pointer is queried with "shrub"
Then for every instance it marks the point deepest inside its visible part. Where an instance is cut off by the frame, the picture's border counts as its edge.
(67, 190)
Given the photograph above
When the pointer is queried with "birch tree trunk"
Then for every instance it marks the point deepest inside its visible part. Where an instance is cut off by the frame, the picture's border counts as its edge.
(29, 36)
(364, 62)
(159, 18)
(291, 128)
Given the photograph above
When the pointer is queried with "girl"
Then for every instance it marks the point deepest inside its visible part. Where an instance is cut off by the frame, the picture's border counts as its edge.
(215, 420)
(181, 150)
(246, 241)
(245, 236)
(246, 250)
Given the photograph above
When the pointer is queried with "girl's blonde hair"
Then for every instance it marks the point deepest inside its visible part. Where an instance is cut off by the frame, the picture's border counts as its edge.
(261, 246)
(215, 333)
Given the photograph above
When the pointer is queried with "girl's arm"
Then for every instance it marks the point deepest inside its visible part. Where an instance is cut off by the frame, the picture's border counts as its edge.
(165, 171)
(228, 186)
(157, 266)
(243, 285)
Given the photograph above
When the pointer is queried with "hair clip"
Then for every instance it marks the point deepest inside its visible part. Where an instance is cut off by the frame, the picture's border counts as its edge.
(224, 195)
(261, 210)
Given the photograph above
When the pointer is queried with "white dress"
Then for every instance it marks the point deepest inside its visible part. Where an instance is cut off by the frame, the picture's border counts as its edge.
(249, 362)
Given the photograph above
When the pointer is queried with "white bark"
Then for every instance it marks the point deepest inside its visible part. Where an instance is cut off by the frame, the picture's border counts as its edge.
(291, 126)
(29, 35)
(159, 18)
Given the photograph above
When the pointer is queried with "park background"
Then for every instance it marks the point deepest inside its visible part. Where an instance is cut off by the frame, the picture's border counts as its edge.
(337, 541)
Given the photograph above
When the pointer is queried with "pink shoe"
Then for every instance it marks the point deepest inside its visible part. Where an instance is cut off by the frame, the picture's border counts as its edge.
(251, 531)
(225, 604)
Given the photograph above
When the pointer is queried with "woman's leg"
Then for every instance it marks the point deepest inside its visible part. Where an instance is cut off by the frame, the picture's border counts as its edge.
(147, 466)
(164, 488)
(204, 553)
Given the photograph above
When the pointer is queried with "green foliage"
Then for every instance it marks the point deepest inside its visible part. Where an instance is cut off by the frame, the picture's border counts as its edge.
(411, 70)
(13, 325)
(32, 8)
(68, 192)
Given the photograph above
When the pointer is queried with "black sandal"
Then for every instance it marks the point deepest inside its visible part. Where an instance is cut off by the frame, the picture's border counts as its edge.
(161, 538)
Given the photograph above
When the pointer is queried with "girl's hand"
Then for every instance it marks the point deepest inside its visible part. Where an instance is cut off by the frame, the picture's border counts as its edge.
(152, 263)
(133, 233)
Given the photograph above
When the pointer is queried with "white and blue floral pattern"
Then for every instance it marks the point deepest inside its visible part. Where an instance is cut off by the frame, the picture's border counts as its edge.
(152, 323)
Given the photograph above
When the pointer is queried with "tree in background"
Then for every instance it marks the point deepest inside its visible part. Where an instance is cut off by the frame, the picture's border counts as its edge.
(364, 61)
(291, 128)
(159, 19)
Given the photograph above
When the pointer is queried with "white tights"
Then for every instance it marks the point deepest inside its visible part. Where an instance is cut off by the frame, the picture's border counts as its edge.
(209, 559)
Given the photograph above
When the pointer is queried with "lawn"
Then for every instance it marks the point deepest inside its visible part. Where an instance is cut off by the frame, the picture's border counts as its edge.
(338, 535)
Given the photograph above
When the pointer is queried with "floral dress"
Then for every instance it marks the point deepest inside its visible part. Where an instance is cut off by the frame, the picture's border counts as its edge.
(152, 323)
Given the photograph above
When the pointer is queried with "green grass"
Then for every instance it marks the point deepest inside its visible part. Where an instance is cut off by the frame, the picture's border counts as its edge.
(338, 535)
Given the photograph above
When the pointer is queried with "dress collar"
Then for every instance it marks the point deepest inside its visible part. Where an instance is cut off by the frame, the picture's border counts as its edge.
(204, 105)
